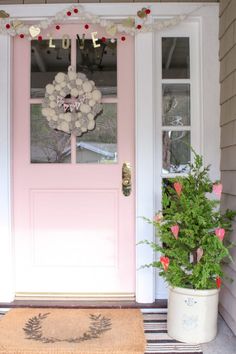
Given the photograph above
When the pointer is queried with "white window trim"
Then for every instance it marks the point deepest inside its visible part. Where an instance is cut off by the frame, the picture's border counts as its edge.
(207, 15)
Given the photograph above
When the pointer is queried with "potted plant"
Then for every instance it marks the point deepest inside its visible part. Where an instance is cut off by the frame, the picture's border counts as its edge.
(192, 246)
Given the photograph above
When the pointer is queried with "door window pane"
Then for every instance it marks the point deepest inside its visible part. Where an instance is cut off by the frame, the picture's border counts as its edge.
(47, 144)
(175, 58)
(99, 64)
(46, 62)
(176, 104)
(175, 151)
(100, 145)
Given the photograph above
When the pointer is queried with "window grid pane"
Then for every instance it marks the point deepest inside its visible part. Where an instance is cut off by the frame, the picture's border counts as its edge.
(176, 106)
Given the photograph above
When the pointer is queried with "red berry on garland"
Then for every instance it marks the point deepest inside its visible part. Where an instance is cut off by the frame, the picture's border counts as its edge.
(58, 27)
(147, 11)
(139, 27)
(123, 38)
(76, 11)
(103, 39)
(22, 35)
(218, 282)
(40, 38)
(8, 26)
(86, 26)
(68, 13)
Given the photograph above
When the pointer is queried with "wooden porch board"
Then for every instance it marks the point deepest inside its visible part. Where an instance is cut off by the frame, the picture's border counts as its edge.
(82, 304)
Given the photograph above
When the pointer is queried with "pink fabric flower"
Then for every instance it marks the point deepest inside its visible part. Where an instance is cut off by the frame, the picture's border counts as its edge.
(217, 189)
(175, 230)
(178, 188)
(220, 233)
(165, 262)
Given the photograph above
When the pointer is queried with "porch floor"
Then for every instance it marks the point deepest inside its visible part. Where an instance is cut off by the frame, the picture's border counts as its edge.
(225, 342)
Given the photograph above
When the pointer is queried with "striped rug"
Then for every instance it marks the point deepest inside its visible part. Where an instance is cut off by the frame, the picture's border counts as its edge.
(158, 341)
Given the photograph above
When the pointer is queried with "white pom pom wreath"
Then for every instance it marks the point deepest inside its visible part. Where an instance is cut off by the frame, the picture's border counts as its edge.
(72, 103)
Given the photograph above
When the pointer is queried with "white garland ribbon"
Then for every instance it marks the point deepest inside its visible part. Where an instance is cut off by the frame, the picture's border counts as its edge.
(127, 26)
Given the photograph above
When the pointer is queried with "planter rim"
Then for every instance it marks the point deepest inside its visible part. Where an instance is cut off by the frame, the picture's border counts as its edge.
(193, 292)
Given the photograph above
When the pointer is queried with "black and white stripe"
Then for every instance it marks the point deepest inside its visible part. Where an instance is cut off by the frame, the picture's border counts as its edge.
(158, 341)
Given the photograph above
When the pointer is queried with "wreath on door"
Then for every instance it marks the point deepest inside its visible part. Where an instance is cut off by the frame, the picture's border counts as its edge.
(72, 103)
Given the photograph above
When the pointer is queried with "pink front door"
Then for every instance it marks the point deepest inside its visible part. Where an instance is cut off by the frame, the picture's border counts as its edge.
(74, 228)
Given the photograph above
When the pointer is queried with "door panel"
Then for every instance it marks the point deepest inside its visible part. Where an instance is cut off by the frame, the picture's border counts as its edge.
(74, 228)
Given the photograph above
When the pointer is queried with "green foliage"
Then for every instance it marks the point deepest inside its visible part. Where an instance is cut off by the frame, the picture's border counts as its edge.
(196, 254)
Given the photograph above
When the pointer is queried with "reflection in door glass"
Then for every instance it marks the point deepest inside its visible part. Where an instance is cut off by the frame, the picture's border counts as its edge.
(99, 64)
(176, 104)
(47, 144)
(100, 145)
(175, 58)
(176, 151)
(46, 62)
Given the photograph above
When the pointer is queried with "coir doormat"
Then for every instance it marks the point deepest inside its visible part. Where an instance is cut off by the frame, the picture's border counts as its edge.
(72, 331)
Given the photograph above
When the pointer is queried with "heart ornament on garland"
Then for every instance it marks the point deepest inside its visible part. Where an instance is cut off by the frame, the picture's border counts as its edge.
(4, 14)
(34, 31)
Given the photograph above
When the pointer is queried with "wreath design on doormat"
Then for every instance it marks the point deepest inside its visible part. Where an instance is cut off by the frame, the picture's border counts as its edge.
(98, 325)
(72, 103)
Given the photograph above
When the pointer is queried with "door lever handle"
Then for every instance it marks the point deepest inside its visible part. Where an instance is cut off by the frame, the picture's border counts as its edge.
(126, 179)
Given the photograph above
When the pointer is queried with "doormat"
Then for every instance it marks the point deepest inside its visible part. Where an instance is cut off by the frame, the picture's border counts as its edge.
(158, 341)
(72, 331)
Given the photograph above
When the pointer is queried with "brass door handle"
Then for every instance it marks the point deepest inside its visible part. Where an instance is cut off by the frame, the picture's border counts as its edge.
(126, 179)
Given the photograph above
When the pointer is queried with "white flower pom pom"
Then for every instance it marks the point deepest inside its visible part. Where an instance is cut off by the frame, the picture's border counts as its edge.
(87, 87)
(60, 77)
(49, 89)
(74, 92)
(91, 125)
(90, 116)
(67, 117)
(45, 112)
(52, 98)
(62, 93)
(85, 108)
(63, 84)
(79, 82)
(53, 104)
(97, 95)
(92, 103)
(58, 87)
(72, 75)
(65, 127)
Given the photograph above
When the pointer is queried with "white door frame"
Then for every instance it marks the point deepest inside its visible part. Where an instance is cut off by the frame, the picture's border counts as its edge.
(207, 17)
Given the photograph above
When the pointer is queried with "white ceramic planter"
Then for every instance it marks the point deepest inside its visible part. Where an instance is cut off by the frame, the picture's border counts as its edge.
(192, 315)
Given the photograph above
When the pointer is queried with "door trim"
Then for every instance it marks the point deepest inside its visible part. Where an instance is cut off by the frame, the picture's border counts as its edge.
(207, 15)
